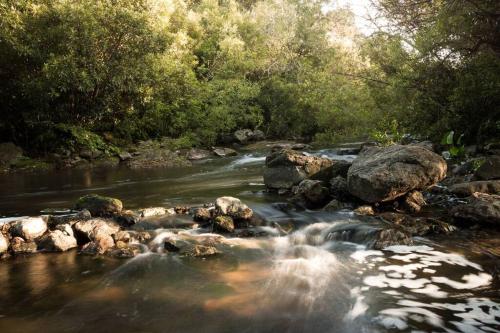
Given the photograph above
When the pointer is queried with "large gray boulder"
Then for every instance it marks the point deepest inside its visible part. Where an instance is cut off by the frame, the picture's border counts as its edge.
(99, 205)
(385, 173)
(28, 228)
(480, 208)
(287, 168)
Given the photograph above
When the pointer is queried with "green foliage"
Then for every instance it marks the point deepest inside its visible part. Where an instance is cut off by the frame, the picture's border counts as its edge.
(196, 71)
(455, 147)
(389, 136)
(438, 67)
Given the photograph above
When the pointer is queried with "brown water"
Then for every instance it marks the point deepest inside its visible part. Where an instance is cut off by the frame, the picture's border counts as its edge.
(302, 282)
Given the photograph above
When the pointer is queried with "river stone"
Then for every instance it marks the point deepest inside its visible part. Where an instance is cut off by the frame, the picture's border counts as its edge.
(99, 205)
(413, 201)
(489, 170)
(124, 156)
(99, 245)
(224, 224)
(243, 136)
(88, 230)
(480, 208)
(384, 174)
(71, 219)
(20, 246)
(364, 210)
(195, 154)
(287, 168)
(4, 244)
(390, 237)
(335, 205)
(29, 228)
(58, 241)
(152, 211)
(313, 192)
(376, 237)
(420, 226)
(483, 186)
(224, 152)
(232, 207)
(198, 251)
(202, 214)
(338, 188)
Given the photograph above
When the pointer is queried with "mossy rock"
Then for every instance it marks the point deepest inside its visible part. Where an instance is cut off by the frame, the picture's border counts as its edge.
(224, 223)
(99, 205)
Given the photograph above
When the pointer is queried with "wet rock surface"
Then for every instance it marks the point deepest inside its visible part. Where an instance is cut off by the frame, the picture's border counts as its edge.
(287, 168)
(384, 174)
(29, 228)
(99, 205)
(468, 188)
(480, 208)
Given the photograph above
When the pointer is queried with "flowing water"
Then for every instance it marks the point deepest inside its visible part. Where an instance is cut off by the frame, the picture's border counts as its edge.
(302, 281)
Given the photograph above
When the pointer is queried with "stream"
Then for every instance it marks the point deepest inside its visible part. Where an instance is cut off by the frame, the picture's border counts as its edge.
(304, 281)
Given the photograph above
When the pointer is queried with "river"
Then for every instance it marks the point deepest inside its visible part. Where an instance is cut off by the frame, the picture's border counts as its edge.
(299, 282)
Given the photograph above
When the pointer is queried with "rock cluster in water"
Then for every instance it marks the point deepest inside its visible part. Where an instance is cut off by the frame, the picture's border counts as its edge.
(101, 226)
(391, 183)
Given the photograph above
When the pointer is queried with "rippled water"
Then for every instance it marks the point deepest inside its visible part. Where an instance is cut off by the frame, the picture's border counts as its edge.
(299, 282)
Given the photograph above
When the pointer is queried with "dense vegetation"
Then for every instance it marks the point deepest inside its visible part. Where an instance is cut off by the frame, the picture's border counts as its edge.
(196, 70)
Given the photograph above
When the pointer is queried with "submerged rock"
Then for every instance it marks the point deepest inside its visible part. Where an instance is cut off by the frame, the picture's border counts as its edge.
(389, 237)
(376, 237)
(198, 251)
(287, 168)
(417, 226)
(480, 208)
(29, 228)
(384, 174)
(483, 186)
(99, 206)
